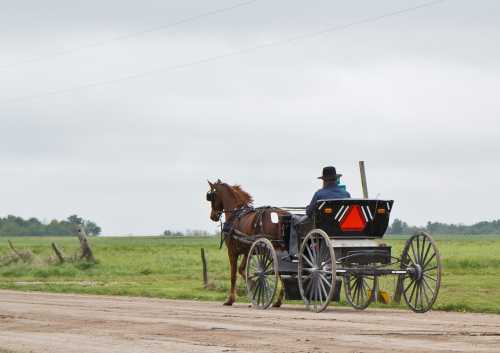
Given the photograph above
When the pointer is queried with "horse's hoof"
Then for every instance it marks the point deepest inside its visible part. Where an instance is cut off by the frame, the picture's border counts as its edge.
(228, 303)
(277, 305)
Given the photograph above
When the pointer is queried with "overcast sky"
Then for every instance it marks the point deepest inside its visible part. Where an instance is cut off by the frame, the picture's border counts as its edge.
(415, 95)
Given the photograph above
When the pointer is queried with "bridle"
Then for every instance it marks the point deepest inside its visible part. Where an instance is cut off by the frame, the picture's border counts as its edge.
(211, 197)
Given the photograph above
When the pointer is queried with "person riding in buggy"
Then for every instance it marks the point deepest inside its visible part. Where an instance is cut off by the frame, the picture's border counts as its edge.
(332, 189)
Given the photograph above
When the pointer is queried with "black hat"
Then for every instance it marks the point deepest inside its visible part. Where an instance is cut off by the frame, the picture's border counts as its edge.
(330, 173)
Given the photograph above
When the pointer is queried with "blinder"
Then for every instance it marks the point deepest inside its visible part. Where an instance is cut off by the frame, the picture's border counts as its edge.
(211, 196)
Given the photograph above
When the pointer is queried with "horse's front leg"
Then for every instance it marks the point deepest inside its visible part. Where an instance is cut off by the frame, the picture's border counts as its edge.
(233, 262)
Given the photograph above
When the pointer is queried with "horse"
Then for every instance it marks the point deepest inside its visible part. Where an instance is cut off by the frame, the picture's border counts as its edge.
(237, 207)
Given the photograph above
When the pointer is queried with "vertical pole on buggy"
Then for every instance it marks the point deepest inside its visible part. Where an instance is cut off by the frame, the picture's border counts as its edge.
(363, 179)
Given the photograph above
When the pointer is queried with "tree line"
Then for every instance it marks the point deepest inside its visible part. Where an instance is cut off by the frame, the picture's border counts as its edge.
(485, 227)
(17, 226)
(187, 233)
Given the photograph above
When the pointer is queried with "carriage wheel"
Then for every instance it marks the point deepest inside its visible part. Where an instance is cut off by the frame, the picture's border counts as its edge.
(262, 274)
(421, 259)
(316, 270)
(360, 290)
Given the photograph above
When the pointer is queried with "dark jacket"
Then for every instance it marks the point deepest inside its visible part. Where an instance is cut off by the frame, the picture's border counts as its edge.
(327, 193)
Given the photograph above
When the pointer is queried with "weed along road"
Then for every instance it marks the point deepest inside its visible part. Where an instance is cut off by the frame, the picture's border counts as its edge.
(43, 322)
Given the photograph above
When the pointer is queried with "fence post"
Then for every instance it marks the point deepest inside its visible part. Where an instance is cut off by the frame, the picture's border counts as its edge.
(205, 273)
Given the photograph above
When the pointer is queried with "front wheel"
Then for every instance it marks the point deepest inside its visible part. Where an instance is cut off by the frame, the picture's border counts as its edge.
(262, 274)
(360, 290)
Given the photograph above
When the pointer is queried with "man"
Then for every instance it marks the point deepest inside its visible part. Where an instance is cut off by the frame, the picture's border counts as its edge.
(331, 190)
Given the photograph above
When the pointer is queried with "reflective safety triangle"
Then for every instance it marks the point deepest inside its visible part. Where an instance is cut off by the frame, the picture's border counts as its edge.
(353, 221)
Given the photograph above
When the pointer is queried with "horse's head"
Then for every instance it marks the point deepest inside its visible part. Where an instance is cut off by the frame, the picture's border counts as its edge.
(215, 198)
(225, 198)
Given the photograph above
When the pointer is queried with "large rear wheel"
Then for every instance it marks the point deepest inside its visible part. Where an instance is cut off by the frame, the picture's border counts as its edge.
(317, 270)
(262, 274)
(420, 285)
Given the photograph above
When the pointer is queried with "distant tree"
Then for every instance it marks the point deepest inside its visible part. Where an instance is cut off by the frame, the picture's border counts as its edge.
(170, 233)
(91, 228)
(74, 219)
(396, 227)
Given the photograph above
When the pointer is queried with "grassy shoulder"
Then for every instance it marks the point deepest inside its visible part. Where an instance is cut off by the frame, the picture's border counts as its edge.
(171, 268)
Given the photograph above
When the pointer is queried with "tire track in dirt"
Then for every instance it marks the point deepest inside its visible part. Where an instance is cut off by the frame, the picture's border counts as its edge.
(66, 323)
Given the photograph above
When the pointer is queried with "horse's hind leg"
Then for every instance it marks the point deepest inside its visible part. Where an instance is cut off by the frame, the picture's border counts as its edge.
(243, 265)
(233, 262)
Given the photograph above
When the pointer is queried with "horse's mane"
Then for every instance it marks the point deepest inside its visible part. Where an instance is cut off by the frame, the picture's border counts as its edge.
(241, 195)
(244, 196)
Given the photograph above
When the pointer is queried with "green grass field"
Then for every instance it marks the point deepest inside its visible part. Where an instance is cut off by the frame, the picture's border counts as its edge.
(171, 268)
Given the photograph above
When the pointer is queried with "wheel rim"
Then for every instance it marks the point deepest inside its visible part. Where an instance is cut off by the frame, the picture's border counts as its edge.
(262, 274)
(316, 270)
(420, 286)
(360, 290)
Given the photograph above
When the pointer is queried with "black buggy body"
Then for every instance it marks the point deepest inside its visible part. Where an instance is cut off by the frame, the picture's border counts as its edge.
(345, 248)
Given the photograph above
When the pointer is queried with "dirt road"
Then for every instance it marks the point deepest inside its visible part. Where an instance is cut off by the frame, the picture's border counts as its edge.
(41, 322)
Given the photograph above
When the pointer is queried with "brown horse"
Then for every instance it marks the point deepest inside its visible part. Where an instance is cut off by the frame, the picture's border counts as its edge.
(236, 204)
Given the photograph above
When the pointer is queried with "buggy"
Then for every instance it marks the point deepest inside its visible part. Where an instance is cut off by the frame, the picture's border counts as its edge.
(345, 248)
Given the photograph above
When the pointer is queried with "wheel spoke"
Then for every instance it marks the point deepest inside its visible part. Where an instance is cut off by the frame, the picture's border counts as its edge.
(354, 289)
(265, 259)
(365, 289)
(308, 287)
(418, 250)
(323, 278)
(268, 263)
(409, 285)
(430, 277)
(426, 253)
(364, 292)
(325, 292)
(421, 295)
(266, 291)
(256, 289)
(413, 291)
(430, 269)
(316, 292)
(314, 252)
(423, 250)
(310, 255)
(425, 294)
(307, 260)
(428, 286)
(358, 290)
(324, 253)
(417, 293)
(430, 259)
(311, 291)
(414, 260)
